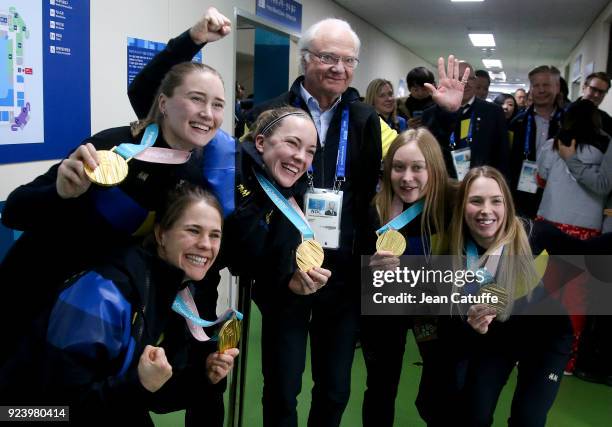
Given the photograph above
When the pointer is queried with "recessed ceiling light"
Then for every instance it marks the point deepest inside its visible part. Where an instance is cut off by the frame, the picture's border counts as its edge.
(482, 40)
(492, 63)
(464, 1)
(498, 77)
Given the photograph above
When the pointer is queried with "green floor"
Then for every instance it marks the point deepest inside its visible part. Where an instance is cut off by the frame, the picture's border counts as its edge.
(579, 404)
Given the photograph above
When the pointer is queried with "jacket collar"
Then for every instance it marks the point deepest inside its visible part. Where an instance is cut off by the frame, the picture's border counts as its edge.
(349, 96)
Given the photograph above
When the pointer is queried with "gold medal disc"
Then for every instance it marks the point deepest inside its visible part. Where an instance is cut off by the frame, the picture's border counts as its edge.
(112, 169)
(500, 293)
(309, 255)
(392, 241)
(229, 334)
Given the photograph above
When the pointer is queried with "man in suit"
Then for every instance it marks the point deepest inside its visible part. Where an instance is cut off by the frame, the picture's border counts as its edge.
(478, 125)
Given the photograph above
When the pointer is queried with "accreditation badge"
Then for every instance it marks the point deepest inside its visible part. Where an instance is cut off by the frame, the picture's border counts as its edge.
(527, 180)
(461, 161)
(323, 210)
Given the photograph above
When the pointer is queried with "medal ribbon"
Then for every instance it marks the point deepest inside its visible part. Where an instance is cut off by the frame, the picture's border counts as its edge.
(147, 153)
(404, 218)
(185, 306)
(285, 207)
(127, 151)
(489, 270)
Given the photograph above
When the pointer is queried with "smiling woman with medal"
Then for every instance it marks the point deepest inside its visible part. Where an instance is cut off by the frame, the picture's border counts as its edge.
(486, 232)
(123, 328)
(410, 215)
(76, 223)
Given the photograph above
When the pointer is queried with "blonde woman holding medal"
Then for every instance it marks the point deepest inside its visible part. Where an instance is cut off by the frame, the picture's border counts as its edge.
(71, 224)
(412, 210)
(484, 224)
(113, 344)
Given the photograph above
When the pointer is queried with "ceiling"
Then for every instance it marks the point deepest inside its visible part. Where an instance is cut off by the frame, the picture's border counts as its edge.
(527, 32)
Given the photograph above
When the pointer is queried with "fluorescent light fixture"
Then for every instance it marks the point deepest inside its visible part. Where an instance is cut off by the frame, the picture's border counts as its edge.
(482, 40)
(492, 63)
(465, 1)
(498, 77)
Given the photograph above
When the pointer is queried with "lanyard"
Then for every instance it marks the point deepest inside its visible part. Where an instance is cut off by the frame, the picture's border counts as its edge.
(530, 119)
(127, 151)
(404, 218)
(469, 135)
(285, 207)
(472, 264)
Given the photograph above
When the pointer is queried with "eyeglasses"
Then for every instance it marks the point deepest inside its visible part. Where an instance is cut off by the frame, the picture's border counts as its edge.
(330, 59)
(597, 90)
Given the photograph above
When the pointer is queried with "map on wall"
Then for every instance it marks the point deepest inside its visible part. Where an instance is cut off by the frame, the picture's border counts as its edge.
(21, 94)
(44, 78)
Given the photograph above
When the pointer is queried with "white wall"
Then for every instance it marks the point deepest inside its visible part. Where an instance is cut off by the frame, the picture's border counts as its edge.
(112, 21)
(594, 48)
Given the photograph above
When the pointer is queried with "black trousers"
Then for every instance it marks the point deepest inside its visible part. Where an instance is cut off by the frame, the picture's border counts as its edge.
(330, 318)
(595, 348)
(383, 339)
(540, 354)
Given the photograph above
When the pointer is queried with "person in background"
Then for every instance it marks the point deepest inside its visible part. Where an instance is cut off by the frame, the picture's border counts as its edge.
(594, 356)
(595, 88)
(379, 94)
(481, 84)
(411, 108)
(508, 104)
(581, 215)
(529, 131)
(521, 99)
(476, 134)
(563, 96)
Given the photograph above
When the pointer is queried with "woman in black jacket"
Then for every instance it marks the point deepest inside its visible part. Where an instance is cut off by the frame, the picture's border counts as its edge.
(485, 230)
(112, 346)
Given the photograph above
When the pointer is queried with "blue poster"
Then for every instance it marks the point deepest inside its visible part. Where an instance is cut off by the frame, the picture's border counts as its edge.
(44, 78)
(140, 52)
(287, 13)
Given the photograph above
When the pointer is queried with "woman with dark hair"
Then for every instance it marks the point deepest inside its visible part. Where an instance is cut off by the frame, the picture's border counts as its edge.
(508, 104)
(112, 345)
(380, 95)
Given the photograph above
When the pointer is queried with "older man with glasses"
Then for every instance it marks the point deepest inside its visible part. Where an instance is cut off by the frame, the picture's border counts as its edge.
(345, 172)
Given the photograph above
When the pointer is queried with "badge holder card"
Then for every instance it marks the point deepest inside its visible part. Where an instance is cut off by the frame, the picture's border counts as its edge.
(527, 180)
(461, 161)
(323, 212)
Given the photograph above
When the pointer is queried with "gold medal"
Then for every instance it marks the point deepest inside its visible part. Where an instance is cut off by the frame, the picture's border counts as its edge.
(229, 334)
(112, 169)
(392, 241)
(500, 293)
(309, 255)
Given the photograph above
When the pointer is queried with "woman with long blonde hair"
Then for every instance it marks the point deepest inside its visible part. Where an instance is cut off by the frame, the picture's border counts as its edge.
(485, 226)
(415, 184)
(379, 94)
